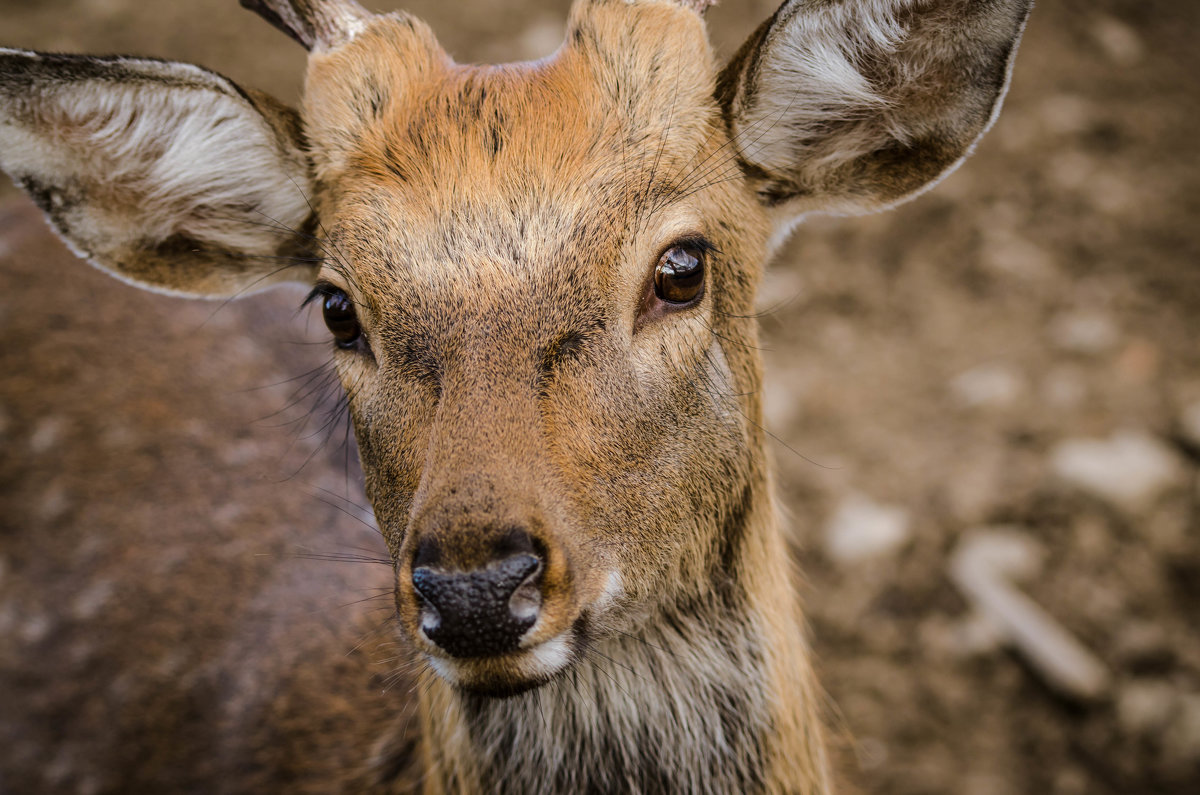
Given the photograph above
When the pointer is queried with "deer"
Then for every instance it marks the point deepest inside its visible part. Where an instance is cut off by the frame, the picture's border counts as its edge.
(538, 281)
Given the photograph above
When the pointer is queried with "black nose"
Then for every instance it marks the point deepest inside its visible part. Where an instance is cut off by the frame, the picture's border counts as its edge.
(480, 613)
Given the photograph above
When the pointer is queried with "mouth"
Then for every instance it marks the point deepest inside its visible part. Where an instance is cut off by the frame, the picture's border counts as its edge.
(512, 673)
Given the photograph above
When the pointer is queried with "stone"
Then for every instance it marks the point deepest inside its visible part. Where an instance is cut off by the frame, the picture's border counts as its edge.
(92, 600)
(1070, 780)
(1139, 363)
(861, 529)
(988, 386)
(783, 394)
(1084, 332)
(1013, 256)
(1120, 43)
(973, 635)
(541, 38)
(1142, 644)
(978, 635)
(1190, 422)
(1064, 388)
(872, 753)
(34, 628)
(1130, 470)
(981, 783)
(1145, 707)
(1181, 742)
(983, 566)
(47, 433)
(54, 502)
(1067, 114)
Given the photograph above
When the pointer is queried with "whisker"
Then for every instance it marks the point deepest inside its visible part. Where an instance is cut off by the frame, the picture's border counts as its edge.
(766, 430)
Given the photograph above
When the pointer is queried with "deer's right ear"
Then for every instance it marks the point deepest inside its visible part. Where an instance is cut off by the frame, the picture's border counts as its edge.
(164, 174)
(850, 106)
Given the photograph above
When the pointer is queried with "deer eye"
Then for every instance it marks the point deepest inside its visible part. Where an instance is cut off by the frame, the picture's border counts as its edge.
(339, 314)
(679, 275)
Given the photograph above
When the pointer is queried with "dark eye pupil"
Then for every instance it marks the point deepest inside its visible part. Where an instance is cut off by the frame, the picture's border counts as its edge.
(340, 318)
(679, 277)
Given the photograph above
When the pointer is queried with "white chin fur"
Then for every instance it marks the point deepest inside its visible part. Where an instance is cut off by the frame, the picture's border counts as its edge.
(539, 663)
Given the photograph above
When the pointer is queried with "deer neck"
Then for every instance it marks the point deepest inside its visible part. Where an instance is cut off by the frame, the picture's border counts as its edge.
(712, 694)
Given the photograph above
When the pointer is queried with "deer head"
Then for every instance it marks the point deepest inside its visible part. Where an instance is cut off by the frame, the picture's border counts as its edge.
(538, 277)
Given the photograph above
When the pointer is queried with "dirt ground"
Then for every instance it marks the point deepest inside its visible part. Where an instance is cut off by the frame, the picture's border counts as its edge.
(961, 363)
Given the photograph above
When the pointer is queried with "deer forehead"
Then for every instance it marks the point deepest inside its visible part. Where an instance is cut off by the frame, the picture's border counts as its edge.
(569, 172)
(621, 66)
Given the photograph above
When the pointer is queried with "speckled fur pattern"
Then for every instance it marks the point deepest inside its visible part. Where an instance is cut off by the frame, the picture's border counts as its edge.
(496, 228)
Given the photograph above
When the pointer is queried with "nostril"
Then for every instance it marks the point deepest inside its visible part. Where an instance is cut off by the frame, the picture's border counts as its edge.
(510, 573)
(482, 612)
(429, 586)
(526, 601)
(428, 553)
(515, 542)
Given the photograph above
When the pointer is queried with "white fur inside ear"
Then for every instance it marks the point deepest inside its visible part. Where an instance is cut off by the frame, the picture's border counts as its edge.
(124, 154)
(812, 80)
(852, 106)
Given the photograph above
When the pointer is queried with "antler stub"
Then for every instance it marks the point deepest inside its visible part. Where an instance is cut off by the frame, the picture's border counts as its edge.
(317, 24)
(699, 6)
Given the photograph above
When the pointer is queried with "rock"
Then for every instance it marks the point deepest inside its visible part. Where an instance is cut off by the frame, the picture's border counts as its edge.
(91, 600)
(978, 783)
(1084, 332)
(783, 394)
(1115, 193)
(1145, 707)
(975, 635)
(541, 38)
(1070, 780)
(1129, 470)
(54, 503)
(1011, 255)
(1141, 645)
(1181, 742)
(1064, 388)
(978, 485)
(978, 635)
(861, 528)
(1191, 423)
(1067, 114)
(1120, 42)
(34, 629)
(872, 753)
(982, 566)
(1003, 549)
(47, 433)
(1139, 363)
(1072, 171)
(988, 386)
(781, 287)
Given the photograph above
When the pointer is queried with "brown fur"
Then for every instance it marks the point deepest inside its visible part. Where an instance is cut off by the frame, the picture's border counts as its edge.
(496, 228)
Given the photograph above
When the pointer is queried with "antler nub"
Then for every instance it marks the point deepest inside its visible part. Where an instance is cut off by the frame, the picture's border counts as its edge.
(317, 24)
(699, 6)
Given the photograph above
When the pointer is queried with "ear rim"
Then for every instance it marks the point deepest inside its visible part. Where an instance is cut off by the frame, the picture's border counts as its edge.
(739, 78)
(32, 82)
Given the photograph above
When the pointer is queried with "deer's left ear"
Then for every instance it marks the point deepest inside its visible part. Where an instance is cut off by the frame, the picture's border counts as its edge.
(164, 174)
(848, 107)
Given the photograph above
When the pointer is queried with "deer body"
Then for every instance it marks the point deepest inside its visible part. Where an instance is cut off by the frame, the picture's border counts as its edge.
(540, 279)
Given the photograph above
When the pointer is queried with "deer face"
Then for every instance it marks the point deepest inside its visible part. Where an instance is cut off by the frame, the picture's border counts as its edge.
(538, 276)
(549, 368)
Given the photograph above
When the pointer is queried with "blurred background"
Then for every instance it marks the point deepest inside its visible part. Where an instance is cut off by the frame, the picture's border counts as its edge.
(989, 397)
